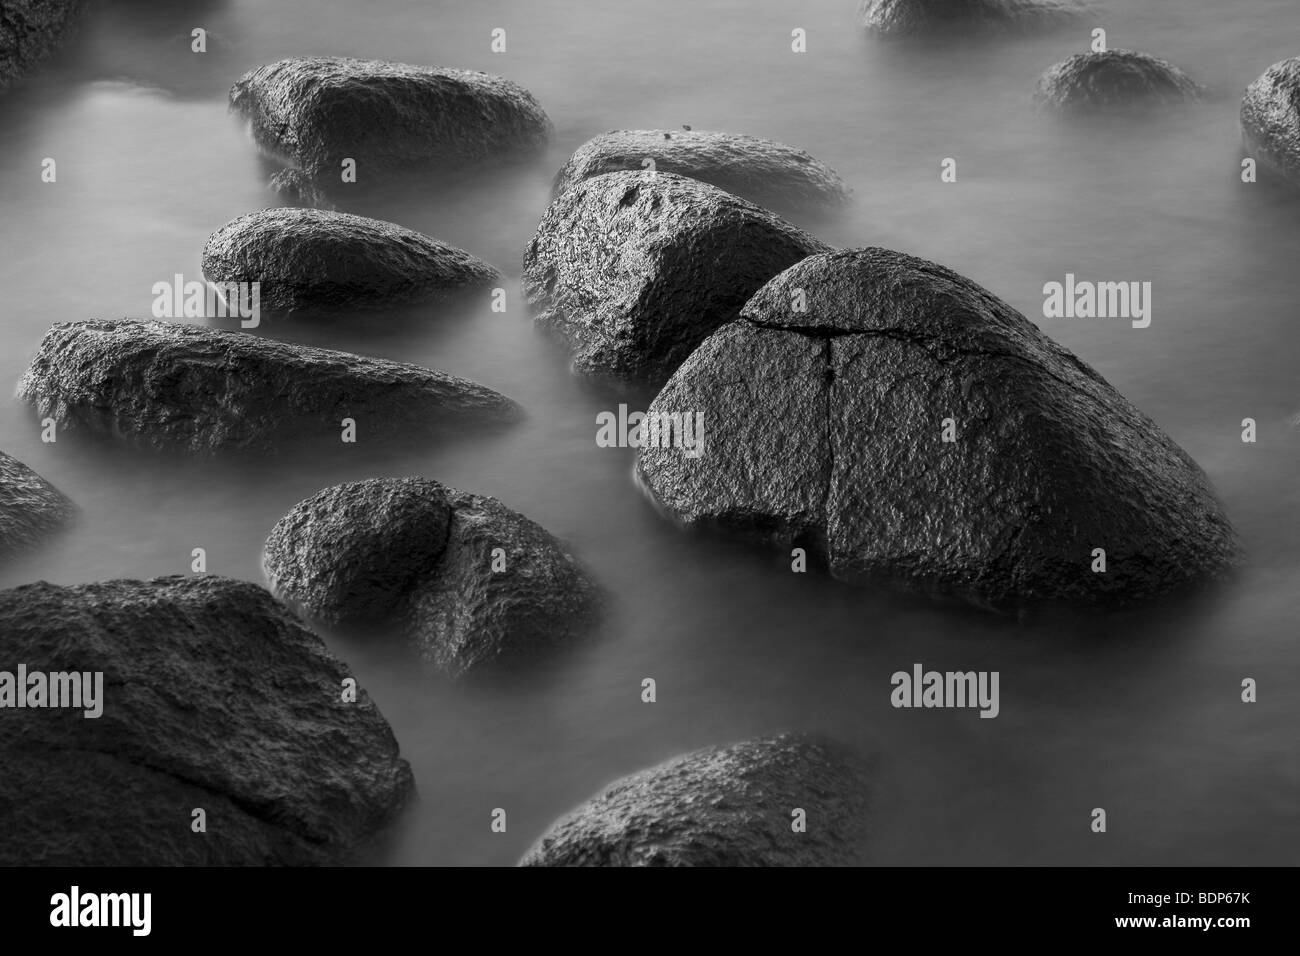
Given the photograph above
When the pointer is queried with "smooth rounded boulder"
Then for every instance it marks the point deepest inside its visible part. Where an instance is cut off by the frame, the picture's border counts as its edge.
(1270, 120)
(633, 270)
(763, 171)
(166, 385)
(30, 30)
(921, 18)
(325, 262)
(31, 509)
(725, 806)
(912, 431)
(146, 701)
(471, 583)
(1113, 80)
(391, 119)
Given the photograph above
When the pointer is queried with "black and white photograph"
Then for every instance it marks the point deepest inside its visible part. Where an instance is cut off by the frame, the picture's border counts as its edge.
(698, 434)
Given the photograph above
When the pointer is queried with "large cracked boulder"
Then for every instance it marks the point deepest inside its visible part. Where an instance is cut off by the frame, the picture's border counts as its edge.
(213, 697)
(470, 583)
(725, 806)
(324, 262)
(391, 118)
(1270, 120)
(921, 18)
(634, 270)
(763, 171)
(31, 509)
(1113, 80)
(30, 30)
(911, 430)
(165, 385)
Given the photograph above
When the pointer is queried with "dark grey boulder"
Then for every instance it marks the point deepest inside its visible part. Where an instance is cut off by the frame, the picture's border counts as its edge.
(31, 509)
(419, 555)
(761, 170)
(920, 18)
(391, 118)
(825, 431)
(1270, 120)
(166, 385)
(30, 30)
(214, 697)
(633, 270)
(318, 261)
(1114, 80)
(725, 806)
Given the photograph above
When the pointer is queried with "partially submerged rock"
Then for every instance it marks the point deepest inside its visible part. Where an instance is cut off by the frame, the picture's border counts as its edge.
(761, 170)
(213, 697)
(1270, 120)
(470, 582)
(1114, 80)
(165, 385)
(31, 509)
(920, 18)
(634, 270)
(724, 806)
(390, 118)
(911, 430)
(30, 30)
(318, 261)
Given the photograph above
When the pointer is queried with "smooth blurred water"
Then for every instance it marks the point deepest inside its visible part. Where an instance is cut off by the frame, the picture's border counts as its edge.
(1138, 713)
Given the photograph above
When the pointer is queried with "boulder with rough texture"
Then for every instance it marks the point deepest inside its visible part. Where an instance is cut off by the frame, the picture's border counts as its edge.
(634, 270)
(919, 18)
(165, 385)
(214, 697)
(1116, 79)
(761, 170)
(30, 30)
(1270, 120)
(294, 186)
(724, 806)
(422, 556)
(390, 118)
(826, 430)
(31, 509)
(318, 261)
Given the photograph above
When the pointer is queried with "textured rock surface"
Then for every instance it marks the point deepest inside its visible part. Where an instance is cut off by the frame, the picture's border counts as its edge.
(167, 385)
(31, 509)
(1116, 79)
(896, 18)
(315, 260)
(30, 30)
(761, 170)
(419, 554)
(389, 117)
(633, 270)
(825, 431)
(1270, 120)
(214, 696)
(724, 806)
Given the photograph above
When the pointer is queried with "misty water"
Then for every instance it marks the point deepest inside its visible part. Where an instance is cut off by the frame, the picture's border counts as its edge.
(1139, 712)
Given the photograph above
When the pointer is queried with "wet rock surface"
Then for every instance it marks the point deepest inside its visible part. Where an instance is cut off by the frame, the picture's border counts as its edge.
(826, 430)
(166, 385)
(471, 583)
(213, 697)
(724, 806)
